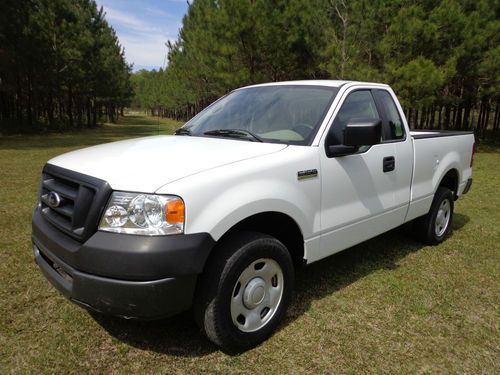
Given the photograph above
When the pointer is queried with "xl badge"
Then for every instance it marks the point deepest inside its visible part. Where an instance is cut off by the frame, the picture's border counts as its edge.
(54, 200)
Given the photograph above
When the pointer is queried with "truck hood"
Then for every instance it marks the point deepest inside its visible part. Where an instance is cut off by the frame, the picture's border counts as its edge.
(146, 164)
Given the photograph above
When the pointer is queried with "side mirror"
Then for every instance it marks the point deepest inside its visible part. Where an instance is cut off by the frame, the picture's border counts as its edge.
(358, 132)
(362, 132)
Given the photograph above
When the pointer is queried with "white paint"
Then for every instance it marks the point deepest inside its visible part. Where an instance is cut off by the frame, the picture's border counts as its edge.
(145, 164)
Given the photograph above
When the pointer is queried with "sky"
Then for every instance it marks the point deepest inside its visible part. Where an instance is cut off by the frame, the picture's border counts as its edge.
(143, 27)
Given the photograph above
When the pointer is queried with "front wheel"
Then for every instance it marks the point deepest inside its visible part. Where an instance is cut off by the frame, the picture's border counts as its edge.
(244, 291)
(436, 225)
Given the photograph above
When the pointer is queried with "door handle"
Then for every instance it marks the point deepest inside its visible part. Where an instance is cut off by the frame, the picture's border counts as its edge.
(389, 163)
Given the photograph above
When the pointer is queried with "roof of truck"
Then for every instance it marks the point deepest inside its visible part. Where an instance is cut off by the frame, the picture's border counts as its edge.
(316, 82)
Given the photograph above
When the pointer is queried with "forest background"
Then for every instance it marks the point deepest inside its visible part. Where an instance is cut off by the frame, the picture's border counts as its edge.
(62, 65)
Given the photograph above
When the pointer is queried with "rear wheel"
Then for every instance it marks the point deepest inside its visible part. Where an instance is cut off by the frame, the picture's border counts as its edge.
(244, 291)
(436, 225)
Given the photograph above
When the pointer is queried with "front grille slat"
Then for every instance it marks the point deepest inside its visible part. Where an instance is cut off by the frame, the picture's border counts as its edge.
(66, 207)
(82, 199)
(58, 220)
(66, 191)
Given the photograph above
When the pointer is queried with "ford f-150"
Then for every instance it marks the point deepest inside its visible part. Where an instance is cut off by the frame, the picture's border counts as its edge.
(217, 217)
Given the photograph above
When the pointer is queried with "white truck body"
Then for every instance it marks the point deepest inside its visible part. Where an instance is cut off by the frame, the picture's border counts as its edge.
(224, 181)
(149, 227)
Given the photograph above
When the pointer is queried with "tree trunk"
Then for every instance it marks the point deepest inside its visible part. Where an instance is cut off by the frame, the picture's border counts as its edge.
(423, 117)
(496, 122)
(432, 117)
(440, 108)
(89, 114)
(486, 120)
(472, 114)
(70, 106)
(29, 104)
(454, 118)
(465, 124)
(481, 114)
(458, 121)
(94, 112)
(19, 115)
(446, 123)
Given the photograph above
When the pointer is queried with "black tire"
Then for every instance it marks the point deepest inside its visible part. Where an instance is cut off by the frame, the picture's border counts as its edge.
(217, 285)
(425, 226)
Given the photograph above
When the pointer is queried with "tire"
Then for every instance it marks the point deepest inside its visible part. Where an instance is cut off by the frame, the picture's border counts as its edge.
(244, 291)
(434, 227)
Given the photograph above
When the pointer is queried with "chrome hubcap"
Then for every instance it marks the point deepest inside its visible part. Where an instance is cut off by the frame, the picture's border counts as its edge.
(443, 218)
(257, 295)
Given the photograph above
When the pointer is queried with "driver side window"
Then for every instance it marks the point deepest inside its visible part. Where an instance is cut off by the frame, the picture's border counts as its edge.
(358, 105)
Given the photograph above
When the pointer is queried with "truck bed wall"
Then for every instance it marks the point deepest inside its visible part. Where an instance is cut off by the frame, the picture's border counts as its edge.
(434, 156)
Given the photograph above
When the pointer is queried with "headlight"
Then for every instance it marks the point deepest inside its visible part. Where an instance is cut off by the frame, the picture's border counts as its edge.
(146, 214)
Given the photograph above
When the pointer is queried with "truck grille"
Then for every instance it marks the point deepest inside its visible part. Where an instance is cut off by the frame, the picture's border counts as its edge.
(71, 201)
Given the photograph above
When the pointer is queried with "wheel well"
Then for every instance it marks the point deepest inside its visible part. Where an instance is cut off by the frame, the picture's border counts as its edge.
(278, 225)
(450, 180)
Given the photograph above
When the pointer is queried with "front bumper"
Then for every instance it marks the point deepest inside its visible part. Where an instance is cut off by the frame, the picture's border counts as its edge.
(126, 275)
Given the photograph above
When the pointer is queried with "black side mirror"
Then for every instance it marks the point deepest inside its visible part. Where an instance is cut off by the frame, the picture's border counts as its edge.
(362, 132)
(358, 132)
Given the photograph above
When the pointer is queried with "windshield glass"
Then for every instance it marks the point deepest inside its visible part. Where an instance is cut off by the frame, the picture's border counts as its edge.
(285, 114)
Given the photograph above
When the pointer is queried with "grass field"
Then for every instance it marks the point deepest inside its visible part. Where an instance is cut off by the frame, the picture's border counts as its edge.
(389, 305)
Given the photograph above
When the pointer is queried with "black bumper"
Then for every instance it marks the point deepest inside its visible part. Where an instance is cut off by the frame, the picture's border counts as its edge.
(126, 275)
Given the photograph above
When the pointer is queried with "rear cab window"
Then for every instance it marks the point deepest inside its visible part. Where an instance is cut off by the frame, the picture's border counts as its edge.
(393, 128)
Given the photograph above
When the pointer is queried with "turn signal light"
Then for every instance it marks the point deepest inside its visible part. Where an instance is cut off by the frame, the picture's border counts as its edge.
(175, 211)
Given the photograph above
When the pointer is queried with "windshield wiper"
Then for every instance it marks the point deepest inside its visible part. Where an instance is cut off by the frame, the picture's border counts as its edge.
(235, 133)
(183, 131)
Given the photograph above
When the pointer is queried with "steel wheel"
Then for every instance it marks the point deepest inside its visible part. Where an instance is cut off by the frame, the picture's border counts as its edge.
(257, 295)
(245, 290)
(434, 227)
(443, 217)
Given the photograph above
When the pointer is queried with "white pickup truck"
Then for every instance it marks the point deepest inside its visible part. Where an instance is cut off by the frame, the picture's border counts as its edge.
(217, 217)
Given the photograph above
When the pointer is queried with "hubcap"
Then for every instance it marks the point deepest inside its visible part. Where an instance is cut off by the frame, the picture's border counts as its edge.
(257, 295)
(254, 293)
(443, 218)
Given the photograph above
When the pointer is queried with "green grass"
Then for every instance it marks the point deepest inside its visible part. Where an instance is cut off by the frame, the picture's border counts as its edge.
(389, 305)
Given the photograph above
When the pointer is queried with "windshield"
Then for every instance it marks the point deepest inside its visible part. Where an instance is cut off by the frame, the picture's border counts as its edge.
(285, 114)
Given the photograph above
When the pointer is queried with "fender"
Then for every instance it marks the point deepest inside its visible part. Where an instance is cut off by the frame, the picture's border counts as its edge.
(450, 162)
(423, 187)
(218, 199)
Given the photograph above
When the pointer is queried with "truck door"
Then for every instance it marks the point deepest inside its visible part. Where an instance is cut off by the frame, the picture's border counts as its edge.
(361, 193)
(394, 132)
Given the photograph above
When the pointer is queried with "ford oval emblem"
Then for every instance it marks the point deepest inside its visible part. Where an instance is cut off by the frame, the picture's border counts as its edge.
(53, 199)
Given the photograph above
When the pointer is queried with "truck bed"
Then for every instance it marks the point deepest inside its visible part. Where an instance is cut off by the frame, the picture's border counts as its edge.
(436, 152)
